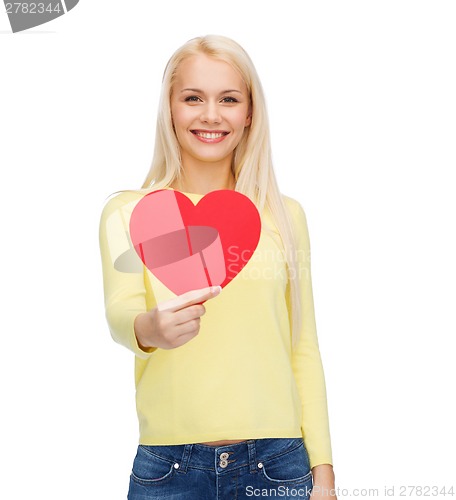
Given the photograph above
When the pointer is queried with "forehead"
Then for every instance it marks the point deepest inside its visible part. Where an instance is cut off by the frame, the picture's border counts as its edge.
(206, 73)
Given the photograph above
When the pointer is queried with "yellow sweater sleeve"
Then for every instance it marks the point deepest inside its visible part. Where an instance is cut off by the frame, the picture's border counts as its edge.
(123, 273)
(306, 360)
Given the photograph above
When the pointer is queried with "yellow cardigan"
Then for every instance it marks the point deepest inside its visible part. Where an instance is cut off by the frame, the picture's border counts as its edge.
(239, 377)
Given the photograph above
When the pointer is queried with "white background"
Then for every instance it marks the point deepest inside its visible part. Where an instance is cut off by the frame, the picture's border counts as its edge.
(362, 104)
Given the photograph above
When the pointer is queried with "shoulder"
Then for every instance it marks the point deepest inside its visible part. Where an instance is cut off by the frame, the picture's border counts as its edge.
(290, 202)
(121, 201)
(298, 221)
(295, 210)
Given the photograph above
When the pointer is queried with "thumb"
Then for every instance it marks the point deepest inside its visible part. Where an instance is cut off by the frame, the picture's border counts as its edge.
(189, 298)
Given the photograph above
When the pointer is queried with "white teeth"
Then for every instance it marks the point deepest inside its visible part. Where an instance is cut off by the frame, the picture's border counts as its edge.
(209, 135)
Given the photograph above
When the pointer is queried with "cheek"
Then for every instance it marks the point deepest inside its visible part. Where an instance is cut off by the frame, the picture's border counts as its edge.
(179, 116)
(239, 120)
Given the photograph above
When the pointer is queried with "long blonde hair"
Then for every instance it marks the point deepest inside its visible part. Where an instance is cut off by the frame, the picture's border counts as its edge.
(252, 164)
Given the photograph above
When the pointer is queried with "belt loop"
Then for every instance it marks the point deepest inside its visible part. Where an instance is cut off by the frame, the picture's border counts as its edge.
(252, 455)
(185, 458)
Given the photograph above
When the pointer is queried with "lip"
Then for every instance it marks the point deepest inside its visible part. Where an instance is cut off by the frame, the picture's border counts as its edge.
(210, 140)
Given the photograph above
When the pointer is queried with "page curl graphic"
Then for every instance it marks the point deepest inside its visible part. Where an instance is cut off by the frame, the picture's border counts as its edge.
(25, 15)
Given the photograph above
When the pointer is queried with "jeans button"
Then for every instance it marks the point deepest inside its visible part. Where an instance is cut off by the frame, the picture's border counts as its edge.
(224, 456)
(223, 463)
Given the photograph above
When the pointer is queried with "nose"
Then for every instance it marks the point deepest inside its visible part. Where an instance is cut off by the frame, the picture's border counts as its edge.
(210, 113)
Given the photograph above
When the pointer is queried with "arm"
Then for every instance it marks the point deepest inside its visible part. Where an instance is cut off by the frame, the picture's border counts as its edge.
(324, 482)
(125, 294)
(135, 319)
(306, 360)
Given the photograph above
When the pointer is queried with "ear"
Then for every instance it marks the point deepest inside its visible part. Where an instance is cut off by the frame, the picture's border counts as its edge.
(248, 120)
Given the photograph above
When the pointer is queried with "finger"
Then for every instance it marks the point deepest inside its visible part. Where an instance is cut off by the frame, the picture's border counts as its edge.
(187, 314)
(189, 328)
(183, 333)
(189, 298)
(183, 339)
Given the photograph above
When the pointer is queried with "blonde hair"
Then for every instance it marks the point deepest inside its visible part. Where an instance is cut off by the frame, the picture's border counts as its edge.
(252, 164)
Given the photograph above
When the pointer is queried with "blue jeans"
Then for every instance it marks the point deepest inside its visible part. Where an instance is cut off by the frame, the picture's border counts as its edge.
(256, 468)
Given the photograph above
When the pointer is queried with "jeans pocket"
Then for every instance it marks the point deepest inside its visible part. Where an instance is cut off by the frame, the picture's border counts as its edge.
(151, 469)
(289, 468)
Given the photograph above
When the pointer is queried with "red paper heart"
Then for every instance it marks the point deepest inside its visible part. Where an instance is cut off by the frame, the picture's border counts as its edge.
(188, 246)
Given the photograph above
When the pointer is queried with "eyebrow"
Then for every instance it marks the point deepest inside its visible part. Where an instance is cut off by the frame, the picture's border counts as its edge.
(199, 91)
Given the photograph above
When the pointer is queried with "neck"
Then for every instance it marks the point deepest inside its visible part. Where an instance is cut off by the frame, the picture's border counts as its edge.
(204, 177)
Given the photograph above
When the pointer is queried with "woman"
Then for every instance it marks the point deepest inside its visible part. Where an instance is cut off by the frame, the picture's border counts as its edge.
(232, 404)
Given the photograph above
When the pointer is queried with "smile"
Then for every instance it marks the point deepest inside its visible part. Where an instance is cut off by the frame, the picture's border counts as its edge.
(206, 136)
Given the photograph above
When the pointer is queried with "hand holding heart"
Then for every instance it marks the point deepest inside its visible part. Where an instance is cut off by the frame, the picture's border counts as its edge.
(174, 322)
(190, 249)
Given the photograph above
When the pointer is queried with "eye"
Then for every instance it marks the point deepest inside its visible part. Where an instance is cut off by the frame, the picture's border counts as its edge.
(192, 98)
(229, 99)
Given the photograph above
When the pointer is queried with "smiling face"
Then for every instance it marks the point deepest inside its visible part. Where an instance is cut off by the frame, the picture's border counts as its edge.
(210, 108)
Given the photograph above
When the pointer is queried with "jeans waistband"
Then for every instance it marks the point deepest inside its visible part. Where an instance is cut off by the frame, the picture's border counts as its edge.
(222, 459)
